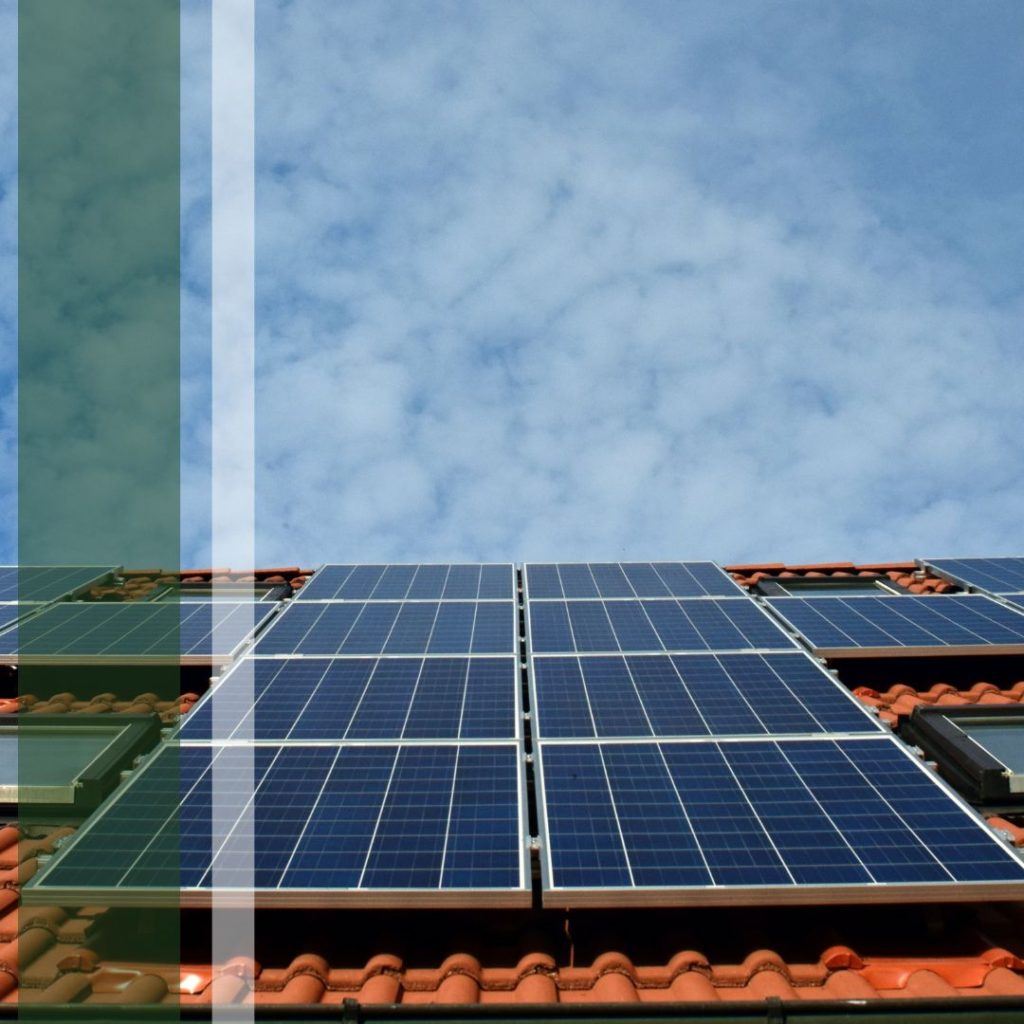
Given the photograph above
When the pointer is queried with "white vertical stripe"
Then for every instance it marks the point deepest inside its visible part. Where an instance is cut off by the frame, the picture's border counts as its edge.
(233, 429)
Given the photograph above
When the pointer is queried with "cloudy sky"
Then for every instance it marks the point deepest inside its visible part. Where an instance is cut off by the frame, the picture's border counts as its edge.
(624, 279)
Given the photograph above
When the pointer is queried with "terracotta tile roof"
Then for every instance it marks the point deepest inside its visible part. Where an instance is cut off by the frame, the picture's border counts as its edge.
(50, 955)
(59, 970)
(139, 584)
(1015, 830)
(899, 701)
(103, 703)
(904, 574)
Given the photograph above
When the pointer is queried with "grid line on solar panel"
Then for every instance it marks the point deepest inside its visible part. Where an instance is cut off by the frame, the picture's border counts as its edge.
(345, 823)
(11, 612)
(412, 582)
(42, 583)
(642, 626)
(697, 695)
(335, 699)
(392, 628)
(630, 580)
(100, 630)
(890, 623)
(1003, 575)
(738, 819)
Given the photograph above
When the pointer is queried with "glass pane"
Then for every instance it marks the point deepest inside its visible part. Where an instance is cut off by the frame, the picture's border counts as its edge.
(55, 757)
(1003, 740)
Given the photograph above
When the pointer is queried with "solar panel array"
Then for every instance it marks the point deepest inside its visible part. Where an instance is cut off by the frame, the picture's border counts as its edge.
(726, 821)
(347, 823)
(331, 699)
(691, 695)
(411, 583)
(743, 773)
(599, 627)
(996, 575)
(393, 627)
(911, 622)
(136, 630)
(686, 751)
(628, 579)
(42, 583)
(380, 722)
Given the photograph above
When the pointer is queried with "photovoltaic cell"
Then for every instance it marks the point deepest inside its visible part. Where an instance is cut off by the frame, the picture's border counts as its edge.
(373, 628)
(628, 822)
(597, 626)
(627, 579)
(74, 629)
(10, 613)
(347, 822)
(47, 582)
(996, 575)
(895, 622)
(325, 699)
(691, 695)
(472, 582)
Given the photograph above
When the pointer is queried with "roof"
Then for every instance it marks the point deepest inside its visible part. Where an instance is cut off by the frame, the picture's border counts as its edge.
(872, 954)
(101, 703)
(904, 574)
(899, 700)
(139, 584)
(61, 972)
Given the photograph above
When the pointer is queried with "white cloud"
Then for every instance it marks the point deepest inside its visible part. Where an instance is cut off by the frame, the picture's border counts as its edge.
(542, 283)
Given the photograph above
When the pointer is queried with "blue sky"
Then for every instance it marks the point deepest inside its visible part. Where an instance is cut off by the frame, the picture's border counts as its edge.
(615, 280)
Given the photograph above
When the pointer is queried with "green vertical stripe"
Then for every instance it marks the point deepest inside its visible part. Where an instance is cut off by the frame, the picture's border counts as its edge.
(98, 345)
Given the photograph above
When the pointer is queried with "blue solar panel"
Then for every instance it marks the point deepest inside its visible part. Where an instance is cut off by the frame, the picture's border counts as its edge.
(632, 822)
(898, 622)
(368, 628)
(315, 699)
(628, 579)
(691, 695)
(47, 582)
(471, 582)
(350, 822)
(194, 629)
(10, 613)
(566, 627)
(996, 575)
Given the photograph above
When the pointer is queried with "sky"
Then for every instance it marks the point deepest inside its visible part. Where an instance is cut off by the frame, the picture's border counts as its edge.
(614, 280)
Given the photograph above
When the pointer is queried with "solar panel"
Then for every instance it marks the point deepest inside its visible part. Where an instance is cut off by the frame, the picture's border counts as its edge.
(607, 626)
(47, 582)
(331, 699)
(342, 825)
(996, 575)
(627, 579)
(770, 821)
(895, 625)
(393, 627)
(10, 613)
(690, 695)
(145, 630)
(474, 582)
